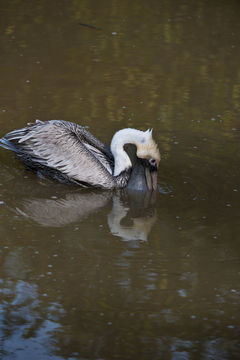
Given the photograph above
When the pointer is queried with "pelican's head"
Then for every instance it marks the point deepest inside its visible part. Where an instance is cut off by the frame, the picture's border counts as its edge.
(147, 148)
(147, 153)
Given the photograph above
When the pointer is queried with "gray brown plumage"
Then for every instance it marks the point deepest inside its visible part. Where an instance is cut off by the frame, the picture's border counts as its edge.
(69, 153)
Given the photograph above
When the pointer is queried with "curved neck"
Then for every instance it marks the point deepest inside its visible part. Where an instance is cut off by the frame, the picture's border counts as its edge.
(122, 161)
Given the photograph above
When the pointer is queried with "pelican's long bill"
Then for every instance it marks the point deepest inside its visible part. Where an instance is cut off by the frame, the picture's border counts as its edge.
(150, 174)
(151, 178)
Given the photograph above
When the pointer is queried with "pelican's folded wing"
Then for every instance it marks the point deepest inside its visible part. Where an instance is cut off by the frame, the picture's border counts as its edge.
(57, 145)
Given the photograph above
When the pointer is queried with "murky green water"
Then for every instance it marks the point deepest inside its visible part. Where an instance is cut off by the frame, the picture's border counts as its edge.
(102, 275)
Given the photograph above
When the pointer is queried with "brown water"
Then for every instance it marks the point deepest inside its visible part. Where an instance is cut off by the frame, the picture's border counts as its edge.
(101, 275)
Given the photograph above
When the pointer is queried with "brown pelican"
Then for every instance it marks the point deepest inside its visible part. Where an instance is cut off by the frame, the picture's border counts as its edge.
(69, 153)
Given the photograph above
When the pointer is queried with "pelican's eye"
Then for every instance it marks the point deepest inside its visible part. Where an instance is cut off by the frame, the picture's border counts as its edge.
(152, 162)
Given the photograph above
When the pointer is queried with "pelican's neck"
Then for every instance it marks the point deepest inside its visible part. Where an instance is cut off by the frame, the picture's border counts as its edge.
(122, 161)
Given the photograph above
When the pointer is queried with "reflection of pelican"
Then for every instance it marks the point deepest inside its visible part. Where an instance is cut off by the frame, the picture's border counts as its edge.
(73, 207)
(59, 212)
(69, 153)
(139, 227)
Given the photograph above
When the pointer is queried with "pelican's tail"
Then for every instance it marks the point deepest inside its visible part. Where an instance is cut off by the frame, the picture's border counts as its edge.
(12, 140)
(6, 144)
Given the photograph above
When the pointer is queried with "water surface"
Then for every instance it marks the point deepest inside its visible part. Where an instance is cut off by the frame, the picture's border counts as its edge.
(114, 275)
